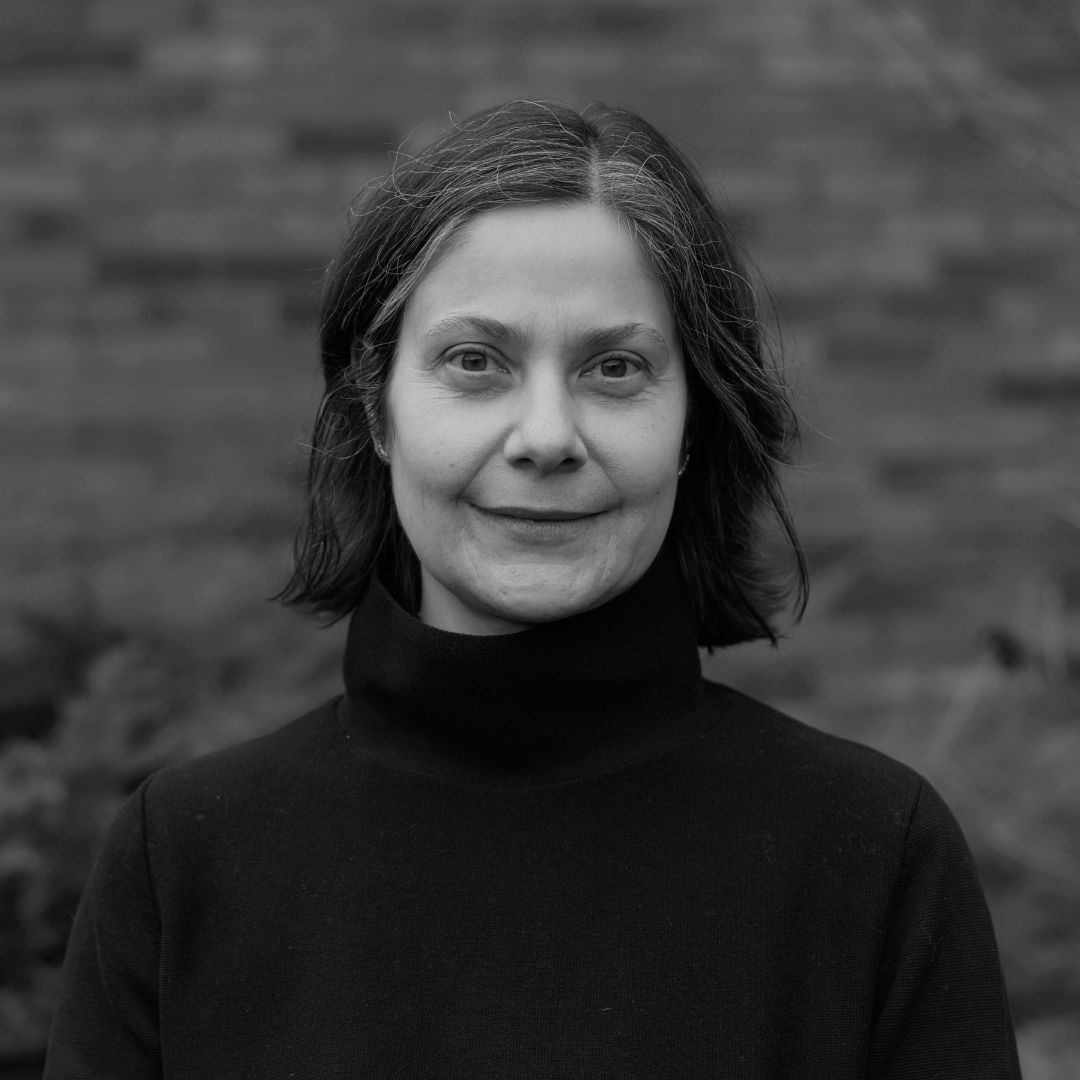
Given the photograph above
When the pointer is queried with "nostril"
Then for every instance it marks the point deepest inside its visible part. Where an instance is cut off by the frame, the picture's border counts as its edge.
(546, 437)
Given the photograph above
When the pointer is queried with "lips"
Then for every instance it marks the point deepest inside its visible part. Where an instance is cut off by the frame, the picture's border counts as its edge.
(537, 513)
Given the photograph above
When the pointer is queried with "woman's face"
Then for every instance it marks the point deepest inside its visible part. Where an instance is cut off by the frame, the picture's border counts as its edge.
(535, 417)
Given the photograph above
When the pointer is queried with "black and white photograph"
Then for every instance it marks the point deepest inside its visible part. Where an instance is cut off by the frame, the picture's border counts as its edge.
(540, 539)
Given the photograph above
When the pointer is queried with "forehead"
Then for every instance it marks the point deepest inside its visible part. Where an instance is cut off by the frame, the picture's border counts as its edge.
(576, 262)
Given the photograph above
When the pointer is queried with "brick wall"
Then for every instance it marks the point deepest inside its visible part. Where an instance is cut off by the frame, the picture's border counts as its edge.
(175, 174)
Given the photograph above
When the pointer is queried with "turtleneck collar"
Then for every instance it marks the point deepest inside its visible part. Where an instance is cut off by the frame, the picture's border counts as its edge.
(557, 702)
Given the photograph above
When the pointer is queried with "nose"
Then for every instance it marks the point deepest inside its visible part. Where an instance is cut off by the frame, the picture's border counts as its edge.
(545, 435)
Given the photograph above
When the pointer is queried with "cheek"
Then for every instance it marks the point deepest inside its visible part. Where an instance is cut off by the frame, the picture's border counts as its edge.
(424, 476)
(432, 453)
(644, 461)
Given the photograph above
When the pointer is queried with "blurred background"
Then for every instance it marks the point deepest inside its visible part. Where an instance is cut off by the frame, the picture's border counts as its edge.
(173, 176)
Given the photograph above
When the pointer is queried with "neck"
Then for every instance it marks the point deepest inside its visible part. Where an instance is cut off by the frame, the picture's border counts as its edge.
(556, 702)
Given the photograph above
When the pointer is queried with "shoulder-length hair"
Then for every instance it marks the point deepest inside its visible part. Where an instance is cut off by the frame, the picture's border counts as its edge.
(741, 426)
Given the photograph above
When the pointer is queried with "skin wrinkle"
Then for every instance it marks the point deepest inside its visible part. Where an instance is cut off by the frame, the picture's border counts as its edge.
(596, 339)
(553, 286)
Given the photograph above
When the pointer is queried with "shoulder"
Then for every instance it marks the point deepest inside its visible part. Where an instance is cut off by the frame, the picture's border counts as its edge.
(250, 776)
(777, 741)
(804, 769)
(205, 825)
(839, 815)
(195, 835)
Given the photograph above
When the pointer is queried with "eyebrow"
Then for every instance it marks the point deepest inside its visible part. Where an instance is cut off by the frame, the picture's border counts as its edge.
(599, 338)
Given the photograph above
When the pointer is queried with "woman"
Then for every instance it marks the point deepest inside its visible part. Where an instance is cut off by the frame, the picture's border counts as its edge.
(530, 840)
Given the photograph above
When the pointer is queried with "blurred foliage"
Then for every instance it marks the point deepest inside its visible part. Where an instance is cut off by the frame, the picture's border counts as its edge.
(1005, 758)
(112, 712)
(90, 705)
(1003, 753)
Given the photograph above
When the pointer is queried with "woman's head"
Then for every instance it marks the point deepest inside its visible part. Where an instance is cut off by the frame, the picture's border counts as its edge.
(610, 331)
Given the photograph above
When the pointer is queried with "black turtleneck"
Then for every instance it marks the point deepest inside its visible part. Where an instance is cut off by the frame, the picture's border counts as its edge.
(558, 702)
(556, 853)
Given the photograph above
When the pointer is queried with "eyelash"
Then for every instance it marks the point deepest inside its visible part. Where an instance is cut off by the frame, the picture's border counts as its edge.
(637, 365)
(471, 350)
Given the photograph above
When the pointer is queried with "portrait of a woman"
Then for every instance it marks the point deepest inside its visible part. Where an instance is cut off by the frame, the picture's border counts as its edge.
(530, 839)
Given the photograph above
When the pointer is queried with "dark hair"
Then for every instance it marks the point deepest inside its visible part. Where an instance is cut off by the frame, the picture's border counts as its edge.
(741, 425)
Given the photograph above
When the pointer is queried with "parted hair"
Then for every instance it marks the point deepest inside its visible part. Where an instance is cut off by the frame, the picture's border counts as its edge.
(741, 426)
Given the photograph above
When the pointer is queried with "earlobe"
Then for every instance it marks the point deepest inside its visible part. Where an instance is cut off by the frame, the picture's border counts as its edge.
(374, 428)
(686, 443)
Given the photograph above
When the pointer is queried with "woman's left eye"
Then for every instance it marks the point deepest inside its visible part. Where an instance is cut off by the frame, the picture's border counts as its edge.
(618, 367)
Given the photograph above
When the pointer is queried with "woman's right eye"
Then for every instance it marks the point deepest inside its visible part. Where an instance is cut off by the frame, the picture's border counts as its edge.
(471, 361)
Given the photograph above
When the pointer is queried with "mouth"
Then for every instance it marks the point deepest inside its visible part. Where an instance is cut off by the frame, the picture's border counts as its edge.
(535, 513)
(539, 526)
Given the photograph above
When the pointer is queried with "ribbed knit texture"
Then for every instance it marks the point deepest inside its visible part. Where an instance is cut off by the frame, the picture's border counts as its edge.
(554, 854)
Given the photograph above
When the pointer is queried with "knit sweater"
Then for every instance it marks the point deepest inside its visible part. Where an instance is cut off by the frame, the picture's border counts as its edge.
(557, 853)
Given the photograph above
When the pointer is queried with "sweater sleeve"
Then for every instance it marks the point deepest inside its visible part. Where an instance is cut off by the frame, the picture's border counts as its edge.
(941, 1009)
(106, 1022)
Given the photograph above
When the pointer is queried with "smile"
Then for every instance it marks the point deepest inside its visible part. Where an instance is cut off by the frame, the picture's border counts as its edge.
(525, 513)
(538, 526)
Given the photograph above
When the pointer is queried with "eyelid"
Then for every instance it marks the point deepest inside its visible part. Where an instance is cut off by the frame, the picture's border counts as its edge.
(447, 357)
(635, 360)
(631, 358)
(466, 347)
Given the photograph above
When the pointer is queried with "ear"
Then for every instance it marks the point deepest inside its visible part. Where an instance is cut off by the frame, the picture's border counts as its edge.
(687, 437)
(375, 428)
(358, 378)
(689, 423)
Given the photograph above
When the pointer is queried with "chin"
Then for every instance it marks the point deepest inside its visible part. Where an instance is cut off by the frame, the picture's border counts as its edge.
(546, 597)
